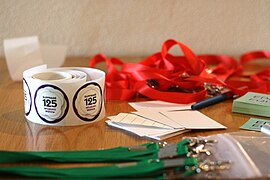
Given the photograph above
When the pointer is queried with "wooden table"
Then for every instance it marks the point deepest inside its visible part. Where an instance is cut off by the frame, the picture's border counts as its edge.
(16, 133)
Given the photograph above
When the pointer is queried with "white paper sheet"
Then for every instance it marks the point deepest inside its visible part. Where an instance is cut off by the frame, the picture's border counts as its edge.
(167, 135)
(193, 120)
(133, 119)
(141, 130)
(153, 133)
(143, 127)
(22, 54)
(26, 52)
(179, 122)
(158, 117)
(53, 55)
(159, 106)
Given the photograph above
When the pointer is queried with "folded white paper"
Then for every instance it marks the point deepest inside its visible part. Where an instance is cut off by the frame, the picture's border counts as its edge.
(164, 124)
(160, 118)
(133, 119)
(145, 131)
(53, 55)
(22, 54)
(159, 106)
(26, 52)
(193, 120)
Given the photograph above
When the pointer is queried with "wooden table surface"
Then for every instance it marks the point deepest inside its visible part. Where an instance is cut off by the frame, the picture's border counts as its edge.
(16, 133)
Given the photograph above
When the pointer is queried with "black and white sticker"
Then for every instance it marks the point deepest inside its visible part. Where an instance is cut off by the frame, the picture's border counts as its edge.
(87, 102)
(27, 98)
(51, 103)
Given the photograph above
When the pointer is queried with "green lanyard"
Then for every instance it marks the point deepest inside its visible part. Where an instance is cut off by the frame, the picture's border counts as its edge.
(118, 154)
(145, 161)
(141, 169)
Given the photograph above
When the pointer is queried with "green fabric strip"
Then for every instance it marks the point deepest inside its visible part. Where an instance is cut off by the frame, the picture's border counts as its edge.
(126, 170)
(154, 168)
(182, 148)
(118, 154)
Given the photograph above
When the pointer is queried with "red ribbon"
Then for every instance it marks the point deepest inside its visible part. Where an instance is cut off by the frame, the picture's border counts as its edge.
(180, 79)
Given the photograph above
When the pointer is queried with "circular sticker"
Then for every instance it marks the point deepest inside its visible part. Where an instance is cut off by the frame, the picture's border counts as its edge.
(27, 98)
(51, 103)
(87, 102)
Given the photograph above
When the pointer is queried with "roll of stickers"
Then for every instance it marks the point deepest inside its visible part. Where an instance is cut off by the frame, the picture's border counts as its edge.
(63, 96)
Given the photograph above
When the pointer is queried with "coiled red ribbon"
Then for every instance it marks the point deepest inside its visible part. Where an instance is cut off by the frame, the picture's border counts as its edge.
(181, 79)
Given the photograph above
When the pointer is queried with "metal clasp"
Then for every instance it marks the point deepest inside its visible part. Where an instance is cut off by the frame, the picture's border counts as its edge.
(197, 146)
(213, 90)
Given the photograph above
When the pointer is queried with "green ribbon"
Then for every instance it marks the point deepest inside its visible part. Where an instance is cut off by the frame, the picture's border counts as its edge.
(143, 162)
(182, 148)
(141, 169)
(118, 154)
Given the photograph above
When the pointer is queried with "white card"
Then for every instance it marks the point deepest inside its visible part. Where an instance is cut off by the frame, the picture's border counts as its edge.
(153, 133)
(161, 118)
(135, 120)
(140, 130)
(167, 135)
(193, 120)
(159, 106)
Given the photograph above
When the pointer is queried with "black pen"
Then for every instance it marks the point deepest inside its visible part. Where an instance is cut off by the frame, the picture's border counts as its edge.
(212, 100)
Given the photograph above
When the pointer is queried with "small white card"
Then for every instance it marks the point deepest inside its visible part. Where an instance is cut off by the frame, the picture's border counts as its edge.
(161, 125)
(133, 119)
(193, 120)
(160, 118)
(146, 131)
(159, 106)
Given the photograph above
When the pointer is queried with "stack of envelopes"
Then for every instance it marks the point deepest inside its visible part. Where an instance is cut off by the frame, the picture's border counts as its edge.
(253, 103)
(157, 124)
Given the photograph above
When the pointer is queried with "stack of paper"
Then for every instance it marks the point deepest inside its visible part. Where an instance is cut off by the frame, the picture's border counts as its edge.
(253, 103)
(159, 106)
(157, 124)
(143, 127)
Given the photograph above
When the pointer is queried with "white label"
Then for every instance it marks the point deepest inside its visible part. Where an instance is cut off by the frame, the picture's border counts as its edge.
(27, 98)
(51, 103)
(88, 101)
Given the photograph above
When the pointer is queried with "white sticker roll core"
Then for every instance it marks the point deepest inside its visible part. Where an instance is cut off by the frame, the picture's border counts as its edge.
(52, 76)
(63, 96)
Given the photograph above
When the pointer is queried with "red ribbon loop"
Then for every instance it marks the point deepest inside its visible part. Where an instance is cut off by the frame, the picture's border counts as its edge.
(181, 79)
(195, 64)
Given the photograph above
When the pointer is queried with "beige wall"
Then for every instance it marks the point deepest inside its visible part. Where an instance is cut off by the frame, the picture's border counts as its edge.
(139, 27)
